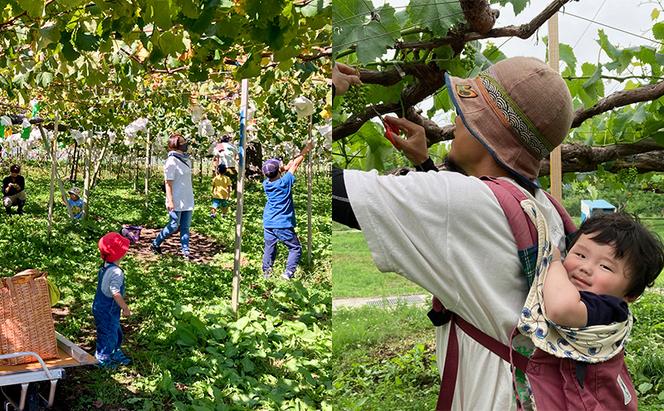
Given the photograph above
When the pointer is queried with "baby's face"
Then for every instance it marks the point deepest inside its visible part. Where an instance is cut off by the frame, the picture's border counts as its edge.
(594, 267)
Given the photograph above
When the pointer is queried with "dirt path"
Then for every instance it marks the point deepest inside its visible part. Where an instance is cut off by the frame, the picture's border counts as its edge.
(202, 248)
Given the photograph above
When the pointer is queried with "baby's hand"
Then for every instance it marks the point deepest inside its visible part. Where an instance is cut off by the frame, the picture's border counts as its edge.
(126, 312)
(556, 253)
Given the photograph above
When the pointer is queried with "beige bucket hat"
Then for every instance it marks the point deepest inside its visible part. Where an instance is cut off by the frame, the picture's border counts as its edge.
(519, 109)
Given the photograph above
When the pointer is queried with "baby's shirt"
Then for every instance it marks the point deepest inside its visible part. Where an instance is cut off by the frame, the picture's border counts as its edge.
(604, 309)
(112, 281)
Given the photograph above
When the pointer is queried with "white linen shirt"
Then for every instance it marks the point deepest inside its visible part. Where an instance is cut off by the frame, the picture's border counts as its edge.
(447, 233)
(180, 174)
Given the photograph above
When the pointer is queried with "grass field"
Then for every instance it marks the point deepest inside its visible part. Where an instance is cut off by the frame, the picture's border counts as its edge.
(383, 359)
(354, 273)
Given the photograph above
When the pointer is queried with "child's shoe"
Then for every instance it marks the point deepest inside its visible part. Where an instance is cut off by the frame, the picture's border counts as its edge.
(186, 256)
(120, 358)
(106, 362)
(267, 274)
(213, 216)
(287, 275)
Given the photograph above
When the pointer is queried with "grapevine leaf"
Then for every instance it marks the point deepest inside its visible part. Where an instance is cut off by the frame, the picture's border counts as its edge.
(378, 147)
(170, 43)
(68, 51)
(639, 115)
(493, 53)
(34, 8)
(594, 78)
(594, 88)
(315, 7)
(374, 42)
(436, 15)
(347, 19)
(48, 34)
(189, 8)
(517, 5)
(250, 68)
(86, 42)
(567, 55)
(658, 31)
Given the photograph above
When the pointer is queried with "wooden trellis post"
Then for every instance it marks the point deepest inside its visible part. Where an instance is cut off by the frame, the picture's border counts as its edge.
(555, 160)
(309, 178)
(51, 196)
(147, 165)
(87, 179)
(235, 295)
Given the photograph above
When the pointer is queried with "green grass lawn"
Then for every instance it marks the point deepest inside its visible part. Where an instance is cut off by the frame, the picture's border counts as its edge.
(383, 359)
(354, 273)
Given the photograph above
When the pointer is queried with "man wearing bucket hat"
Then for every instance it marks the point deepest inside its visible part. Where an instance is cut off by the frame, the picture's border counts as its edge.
(279, 213)
(109, 301)
(447, 232)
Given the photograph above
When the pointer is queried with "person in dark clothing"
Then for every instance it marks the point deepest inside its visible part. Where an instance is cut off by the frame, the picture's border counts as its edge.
(13, 189)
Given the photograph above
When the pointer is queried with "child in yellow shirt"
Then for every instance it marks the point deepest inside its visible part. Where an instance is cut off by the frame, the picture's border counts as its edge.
(221, 191)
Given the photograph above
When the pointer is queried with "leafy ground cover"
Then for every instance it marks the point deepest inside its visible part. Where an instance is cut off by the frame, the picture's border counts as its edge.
(384, 359)
(190, 352)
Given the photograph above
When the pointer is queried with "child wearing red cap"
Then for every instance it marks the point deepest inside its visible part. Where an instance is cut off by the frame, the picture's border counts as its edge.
(109, 300)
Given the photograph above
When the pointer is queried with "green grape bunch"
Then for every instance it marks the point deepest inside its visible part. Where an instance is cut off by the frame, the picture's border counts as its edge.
(355, 100)
(468, 56)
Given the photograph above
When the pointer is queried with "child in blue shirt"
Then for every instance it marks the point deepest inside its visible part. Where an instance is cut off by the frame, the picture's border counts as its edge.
(279, 213)
(109, 301)
(75, 202)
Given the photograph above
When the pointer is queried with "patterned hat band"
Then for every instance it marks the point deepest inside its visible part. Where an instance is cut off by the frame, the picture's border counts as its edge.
(519, 123)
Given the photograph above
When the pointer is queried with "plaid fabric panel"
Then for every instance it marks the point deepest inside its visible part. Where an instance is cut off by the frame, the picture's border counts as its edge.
(528, 258)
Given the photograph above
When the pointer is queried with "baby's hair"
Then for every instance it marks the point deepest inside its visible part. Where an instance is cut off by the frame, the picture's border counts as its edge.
(641, 249)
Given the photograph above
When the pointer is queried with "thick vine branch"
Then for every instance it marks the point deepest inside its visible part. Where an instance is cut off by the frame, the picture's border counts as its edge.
(613, 158)
(619, 99)
(523, 31)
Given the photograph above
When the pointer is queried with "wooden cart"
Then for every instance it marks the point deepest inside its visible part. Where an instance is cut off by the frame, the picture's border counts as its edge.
(15, 380)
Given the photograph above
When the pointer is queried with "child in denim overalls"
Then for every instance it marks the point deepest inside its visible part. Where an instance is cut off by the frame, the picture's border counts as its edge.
(109, 300)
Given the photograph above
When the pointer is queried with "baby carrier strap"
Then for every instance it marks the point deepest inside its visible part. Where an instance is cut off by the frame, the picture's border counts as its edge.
(448, 380)
(525, 234)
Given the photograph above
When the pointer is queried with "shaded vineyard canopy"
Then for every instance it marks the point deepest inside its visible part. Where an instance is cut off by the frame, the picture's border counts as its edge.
(104, 63)
(422, 49)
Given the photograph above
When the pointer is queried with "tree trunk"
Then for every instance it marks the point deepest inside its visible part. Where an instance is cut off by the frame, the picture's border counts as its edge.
(254, 159)
(147, 167)
(87, 176)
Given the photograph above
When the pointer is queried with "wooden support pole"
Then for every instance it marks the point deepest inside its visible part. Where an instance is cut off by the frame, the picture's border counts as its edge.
(87, 179)
(235, 296)
(147, 166)
(309, 188)
(555, 158)
(51, 196)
